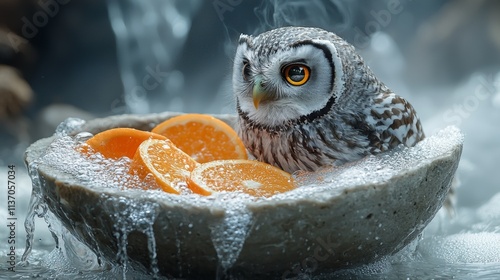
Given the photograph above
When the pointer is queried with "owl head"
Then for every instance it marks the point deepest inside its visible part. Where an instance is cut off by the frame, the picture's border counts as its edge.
(294, 72)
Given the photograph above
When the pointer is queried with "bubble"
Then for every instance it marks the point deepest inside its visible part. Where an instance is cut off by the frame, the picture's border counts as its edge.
(69, 125)
(83, 136)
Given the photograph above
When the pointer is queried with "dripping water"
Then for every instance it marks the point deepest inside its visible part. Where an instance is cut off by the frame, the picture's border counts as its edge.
(36, 208)
(229, 235)
(152, 250)
(130, 216)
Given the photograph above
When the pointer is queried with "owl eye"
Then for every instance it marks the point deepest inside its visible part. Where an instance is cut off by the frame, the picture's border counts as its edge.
(246, 70)
(296, 74)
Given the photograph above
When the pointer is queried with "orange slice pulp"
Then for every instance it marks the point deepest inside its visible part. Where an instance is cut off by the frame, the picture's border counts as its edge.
(203, 137)
(119, 142)
(169, 165)
(252, 177)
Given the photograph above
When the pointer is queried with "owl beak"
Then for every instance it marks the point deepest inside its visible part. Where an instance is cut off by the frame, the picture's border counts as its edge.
(259, 94)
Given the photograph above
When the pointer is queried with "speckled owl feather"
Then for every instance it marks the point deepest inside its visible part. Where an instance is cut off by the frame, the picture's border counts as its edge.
(306, 99)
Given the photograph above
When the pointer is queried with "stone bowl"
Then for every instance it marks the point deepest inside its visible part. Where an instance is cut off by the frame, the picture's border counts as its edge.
(343, 216)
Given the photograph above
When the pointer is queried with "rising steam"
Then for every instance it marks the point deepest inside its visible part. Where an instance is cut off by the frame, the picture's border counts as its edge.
(332, 15)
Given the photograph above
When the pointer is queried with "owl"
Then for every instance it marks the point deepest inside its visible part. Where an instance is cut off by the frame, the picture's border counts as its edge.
(305, 99)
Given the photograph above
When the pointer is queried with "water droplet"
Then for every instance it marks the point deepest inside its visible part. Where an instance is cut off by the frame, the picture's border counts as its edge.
(83, 136)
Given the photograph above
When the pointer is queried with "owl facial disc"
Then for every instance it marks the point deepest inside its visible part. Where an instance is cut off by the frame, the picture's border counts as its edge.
(285, 82)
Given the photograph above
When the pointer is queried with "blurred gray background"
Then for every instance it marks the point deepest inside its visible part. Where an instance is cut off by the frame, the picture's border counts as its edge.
(94, 58)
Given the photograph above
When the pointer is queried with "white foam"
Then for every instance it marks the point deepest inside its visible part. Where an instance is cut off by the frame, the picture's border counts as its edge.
(69, 126)
(469, 247)
(471, 238)
(376, 169)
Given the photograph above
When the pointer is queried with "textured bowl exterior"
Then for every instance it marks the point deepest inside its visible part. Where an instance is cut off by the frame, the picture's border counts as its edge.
(323, 232)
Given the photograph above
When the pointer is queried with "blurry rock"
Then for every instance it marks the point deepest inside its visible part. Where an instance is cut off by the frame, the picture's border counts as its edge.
(15, 50)
(15, 92)
(13, 11)
(17, 56)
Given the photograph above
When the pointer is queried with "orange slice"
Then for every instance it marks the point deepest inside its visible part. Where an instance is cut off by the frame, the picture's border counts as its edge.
(203, 137)
(169, 165)
(119, 142)
(252, 177)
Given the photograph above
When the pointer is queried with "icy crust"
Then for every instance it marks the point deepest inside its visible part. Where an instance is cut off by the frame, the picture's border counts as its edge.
(375, 170)
(339, 216)
(112, 176)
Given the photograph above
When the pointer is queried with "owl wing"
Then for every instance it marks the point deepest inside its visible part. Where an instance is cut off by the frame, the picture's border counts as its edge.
(392, 121)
